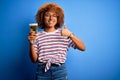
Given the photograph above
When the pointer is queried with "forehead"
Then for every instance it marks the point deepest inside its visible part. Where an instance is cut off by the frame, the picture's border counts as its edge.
(51, 12)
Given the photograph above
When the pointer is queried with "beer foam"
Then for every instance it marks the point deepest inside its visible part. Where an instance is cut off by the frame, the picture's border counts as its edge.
(33, 24)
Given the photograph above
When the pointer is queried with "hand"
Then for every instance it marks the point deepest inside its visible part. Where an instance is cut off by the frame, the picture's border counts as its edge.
(31, 36)
(65, 32)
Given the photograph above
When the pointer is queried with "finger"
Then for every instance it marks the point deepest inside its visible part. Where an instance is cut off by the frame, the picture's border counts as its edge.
(65, 26)
(31, 38)
(32, 34)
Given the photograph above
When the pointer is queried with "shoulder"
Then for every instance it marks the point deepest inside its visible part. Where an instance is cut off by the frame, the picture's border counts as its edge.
(40, 34)
(58, 31)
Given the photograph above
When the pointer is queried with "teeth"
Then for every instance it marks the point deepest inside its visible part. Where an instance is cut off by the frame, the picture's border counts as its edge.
(50, 22)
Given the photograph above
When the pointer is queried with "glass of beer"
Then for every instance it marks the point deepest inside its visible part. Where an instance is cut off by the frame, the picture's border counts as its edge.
(33, 29)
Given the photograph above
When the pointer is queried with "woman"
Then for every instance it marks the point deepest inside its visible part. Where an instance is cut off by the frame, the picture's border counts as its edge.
(52, 43)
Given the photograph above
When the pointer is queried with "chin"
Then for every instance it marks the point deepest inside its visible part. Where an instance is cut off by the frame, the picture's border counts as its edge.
(51, 25)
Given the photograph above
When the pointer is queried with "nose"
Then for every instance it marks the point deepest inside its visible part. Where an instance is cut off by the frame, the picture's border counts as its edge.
(51, 17)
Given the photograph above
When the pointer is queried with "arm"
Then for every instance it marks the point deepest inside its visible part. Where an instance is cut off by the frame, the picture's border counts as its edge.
(33, 54)
(78, 42)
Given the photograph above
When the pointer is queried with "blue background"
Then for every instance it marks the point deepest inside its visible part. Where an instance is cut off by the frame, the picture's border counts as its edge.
(96, 22)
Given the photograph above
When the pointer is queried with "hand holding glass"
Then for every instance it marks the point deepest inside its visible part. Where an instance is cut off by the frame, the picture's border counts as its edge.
(33, 30)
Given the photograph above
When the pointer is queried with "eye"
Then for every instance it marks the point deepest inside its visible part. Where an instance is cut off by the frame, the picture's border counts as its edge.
(54, 15)
(47, 15)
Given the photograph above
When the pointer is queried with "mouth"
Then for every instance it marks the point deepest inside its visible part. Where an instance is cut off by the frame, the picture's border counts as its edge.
(51, 22)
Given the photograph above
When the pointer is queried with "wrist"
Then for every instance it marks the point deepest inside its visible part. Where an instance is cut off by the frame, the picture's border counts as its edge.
(32, 42)
(71, 35)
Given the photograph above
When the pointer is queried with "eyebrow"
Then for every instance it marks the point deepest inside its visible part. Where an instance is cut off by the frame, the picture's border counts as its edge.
(49, 13)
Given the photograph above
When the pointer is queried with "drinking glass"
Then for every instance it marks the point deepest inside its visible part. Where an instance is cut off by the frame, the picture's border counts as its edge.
(33, 29)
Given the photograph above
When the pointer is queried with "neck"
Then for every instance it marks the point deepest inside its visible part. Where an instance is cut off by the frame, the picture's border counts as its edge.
(49, 29)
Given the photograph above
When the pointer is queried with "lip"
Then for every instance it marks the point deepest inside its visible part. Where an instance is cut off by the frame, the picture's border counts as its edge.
(50, 22)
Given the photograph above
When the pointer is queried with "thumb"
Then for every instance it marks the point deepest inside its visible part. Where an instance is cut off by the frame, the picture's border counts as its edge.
(65, 27)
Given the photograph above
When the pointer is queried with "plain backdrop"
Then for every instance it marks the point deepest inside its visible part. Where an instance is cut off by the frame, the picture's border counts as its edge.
(96, 22)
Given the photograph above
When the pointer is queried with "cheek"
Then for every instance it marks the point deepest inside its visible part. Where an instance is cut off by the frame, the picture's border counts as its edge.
(45, 18)
(55, 20)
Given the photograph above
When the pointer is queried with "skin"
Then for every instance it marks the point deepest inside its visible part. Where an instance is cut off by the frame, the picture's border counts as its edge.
(50, 20)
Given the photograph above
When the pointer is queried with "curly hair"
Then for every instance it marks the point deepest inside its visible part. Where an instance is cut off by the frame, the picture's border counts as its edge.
(50, 7)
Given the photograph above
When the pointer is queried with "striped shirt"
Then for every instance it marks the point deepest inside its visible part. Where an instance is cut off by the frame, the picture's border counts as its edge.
(52, 47)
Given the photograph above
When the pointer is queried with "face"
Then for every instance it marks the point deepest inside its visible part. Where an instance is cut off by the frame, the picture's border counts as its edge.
(50, 19)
